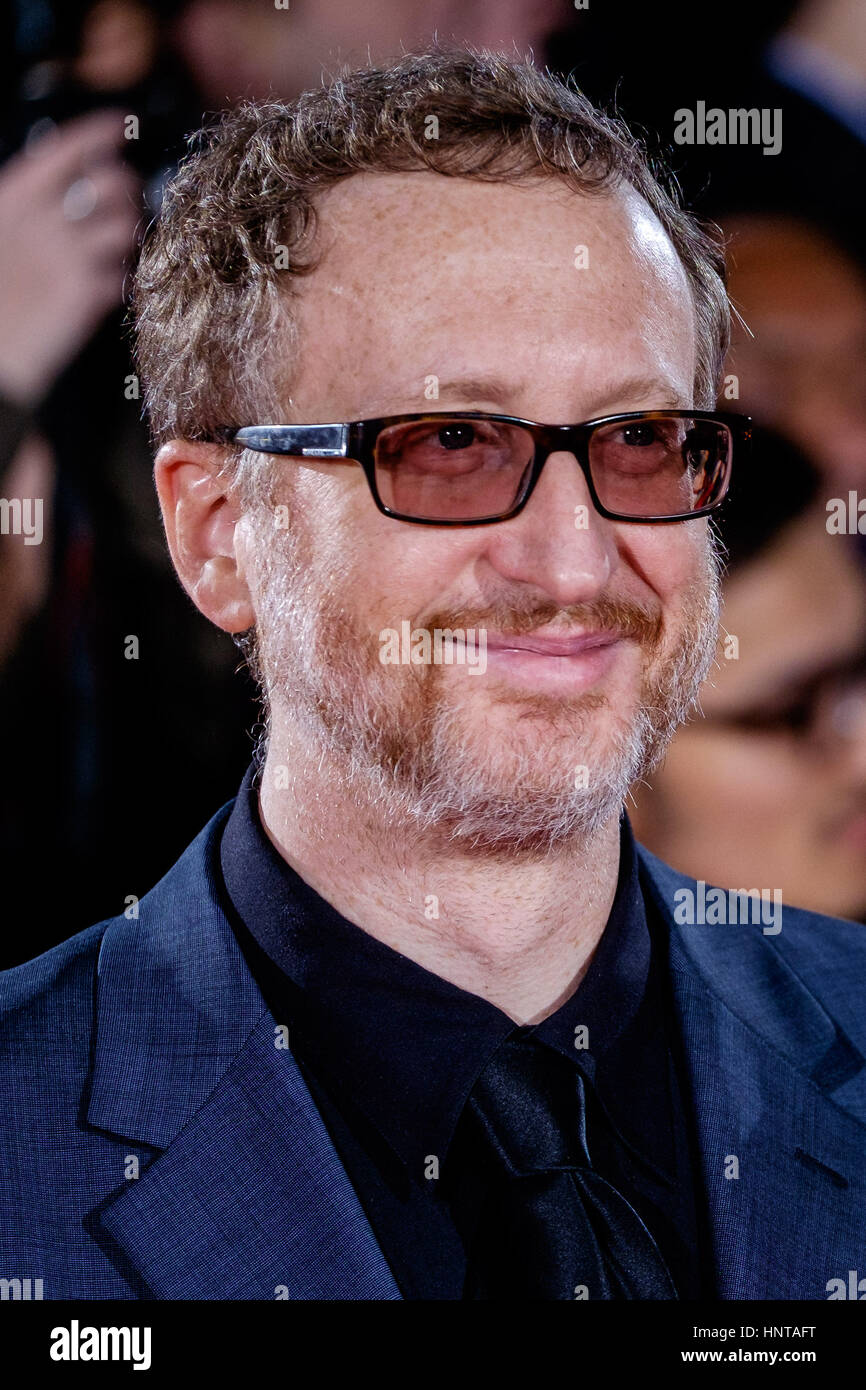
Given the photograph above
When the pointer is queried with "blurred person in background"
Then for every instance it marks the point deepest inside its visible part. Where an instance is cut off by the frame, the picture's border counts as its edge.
(801, 362)
(92, 612)
(60, 274)
(803, 58)
(769, 786)
(242, 48)
(245, 49)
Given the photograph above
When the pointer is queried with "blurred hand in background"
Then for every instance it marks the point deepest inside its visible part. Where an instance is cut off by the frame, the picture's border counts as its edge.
(69, 207)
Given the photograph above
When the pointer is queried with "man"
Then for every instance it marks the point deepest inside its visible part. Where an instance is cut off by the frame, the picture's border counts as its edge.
(413, 1017)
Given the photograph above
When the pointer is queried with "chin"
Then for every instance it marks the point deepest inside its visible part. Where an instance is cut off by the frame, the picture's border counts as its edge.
(555, 734)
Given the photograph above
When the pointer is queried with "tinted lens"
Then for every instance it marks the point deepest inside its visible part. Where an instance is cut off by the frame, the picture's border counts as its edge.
(441, 469)
(663, 466)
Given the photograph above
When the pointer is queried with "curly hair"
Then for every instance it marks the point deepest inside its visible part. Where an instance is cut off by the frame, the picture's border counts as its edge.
(212, 295)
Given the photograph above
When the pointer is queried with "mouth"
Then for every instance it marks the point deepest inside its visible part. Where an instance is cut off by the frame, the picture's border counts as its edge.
(535, 642)
(553, 664)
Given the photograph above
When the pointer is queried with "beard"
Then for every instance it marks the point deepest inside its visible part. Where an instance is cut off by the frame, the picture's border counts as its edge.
(405, 743)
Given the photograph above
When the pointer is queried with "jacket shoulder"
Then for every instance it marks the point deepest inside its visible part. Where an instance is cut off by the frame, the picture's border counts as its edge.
(53, 989)
(799, 931)
(827, 955)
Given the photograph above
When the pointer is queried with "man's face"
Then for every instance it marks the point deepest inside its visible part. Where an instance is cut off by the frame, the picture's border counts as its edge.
(477, 286)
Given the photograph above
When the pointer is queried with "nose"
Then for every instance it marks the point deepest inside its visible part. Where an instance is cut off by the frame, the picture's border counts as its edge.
(559, 542)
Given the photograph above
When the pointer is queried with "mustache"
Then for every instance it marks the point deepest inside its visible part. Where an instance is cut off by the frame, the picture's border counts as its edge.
(627, 619)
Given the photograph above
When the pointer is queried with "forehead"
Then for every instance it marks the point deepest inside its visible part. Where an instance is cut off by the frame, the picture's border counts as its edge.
(420, 274)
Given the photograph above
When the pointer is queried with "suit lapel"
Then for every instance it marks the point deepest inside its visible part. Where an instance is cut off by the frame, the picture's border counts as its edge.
(783, 1162)
(249, 1199)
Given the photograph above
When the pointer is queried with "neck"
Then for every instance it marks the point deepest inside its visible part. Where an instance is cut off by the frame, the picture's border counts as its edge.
(517, 930)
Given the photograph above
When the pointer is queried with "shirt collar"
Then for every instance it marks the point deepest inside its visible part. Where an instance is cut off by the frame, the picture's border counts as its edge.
(407, 1046)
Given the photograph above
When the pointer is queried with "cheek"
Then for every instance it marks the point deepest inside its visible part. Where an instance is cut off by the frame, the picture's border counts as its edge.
(366, 562)
(671, 560)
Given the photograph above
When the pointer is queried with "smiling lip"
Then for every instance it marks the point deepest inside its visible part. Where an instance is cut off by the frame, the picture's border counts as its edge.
(557, 665)
(535, 643)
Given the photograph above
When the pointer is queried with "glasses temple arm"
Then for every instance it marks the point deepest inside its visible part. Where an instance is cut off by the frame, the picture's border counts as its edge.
(314, 441)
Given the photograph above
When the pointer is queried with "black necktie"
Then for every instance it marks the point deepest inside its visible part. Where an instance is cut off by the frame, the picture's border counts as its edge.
(548, 1226)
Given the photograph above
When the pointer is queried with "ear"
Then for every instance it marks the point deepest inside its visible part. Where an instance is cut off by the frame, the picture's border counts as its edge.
(200, 520)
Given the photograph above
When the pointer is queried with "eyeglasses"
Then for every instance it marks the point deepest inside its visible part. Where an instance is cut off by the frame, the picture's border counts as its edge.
(827, 708)
(468, 468)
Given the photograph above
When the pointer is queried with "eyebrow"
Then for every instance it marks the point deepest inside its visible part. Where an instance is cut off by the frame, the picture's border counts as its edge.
(501, 394)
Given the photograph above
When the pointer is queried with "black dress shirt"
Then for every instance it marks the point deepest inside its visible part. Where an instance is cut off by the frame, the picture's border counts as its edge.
(390, 1052)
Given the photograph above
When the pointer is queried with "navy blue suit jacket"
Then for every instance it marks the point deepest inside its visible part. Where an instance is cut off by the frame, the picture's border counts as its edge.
(145, 1047)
